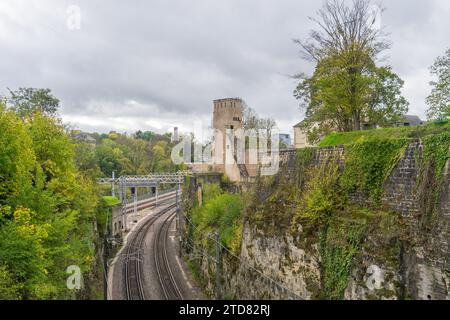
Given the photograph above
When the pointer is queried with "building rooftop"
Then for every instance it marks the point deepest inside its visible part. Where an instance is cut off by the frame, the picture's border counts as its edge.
(299, 124)
(411, 119)
(84, 136)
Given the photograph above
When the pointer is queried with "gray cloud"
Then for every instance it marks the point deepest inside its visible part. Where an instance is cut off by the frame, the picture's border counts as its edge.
(156, 64)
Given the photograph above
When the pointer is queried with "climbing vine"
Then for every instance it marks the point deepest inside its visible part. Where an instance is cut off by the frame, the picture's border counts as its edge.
(369, 162)
(314, 203)
(436, 148)
(339, 242)
(304, 157)
(321, 195)
(324, 208)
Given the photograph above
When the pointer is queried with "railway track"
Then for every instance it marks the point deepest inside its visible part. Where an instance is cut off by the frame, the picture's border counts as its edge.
(149, 203)
(165, 275)
(133, 276)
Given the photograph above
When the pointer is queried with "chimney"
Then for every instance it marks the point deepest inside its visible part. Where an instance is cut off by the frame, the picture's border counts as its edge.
(175, 137)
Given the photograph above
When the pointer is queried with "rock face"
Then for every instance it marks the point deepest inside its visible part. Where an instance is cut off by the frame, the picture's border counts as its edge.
(277, 268)
(411, 265)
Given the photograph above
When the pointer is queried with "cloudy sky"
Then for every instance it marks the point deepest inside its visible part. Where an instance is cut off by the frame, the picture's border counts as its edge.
(152, 65)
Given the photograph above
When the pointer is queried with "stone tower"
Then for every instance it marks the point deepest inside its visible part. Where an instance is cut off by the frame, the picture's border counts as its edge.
(227, 115)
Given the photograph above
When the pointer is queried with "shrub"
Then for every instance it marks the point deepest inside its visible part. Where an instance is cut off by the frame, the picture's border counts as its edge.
(223, 214)
(321, 196)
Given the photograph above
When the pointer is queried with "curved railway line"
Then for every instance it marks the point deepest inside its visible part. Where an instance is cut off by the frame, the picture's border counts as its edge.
(165, 275)
(134, 284)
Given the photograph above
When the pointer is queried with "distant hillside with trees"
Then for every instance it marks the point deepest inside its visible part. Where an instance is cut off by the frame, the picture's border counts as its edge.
(125, 154)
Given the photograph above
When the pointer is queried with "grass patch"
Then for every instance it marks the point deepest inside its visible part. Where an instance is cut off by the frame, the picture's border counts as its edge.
(343, 138)
(110, 201)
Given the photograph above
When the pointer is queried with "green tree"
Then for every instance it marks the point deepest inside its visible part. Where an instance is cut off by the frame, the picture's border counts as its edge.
(17, 158)
(22, 250)
(47, 208)
(347, 88)
(146, 135)
(161, 161)
(138, 155)
(439, 99)
(9, 289)
(27, 101)
(63, 198)
(110, 157)
(86, 160)
(52, 146)
(385, 103)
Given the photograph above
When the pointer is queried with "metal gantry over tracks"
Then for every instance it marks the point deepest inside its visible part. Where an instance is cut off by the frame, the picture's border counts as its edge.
(152, 180)
(149, 180)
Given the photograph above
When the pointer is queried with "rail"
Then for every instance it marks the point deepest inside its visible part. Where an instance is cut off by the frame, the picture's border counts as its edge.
(134, 284)
(165, 275)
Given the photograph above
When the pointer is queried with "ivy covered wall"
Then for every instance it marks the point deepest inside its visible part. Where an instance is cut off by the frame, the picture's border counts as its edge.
(365, 220)
(374, 214)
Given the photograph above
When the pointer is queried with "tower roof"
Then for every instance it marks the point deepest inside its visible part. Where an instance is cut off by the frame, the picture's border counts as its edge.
(227, 99)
